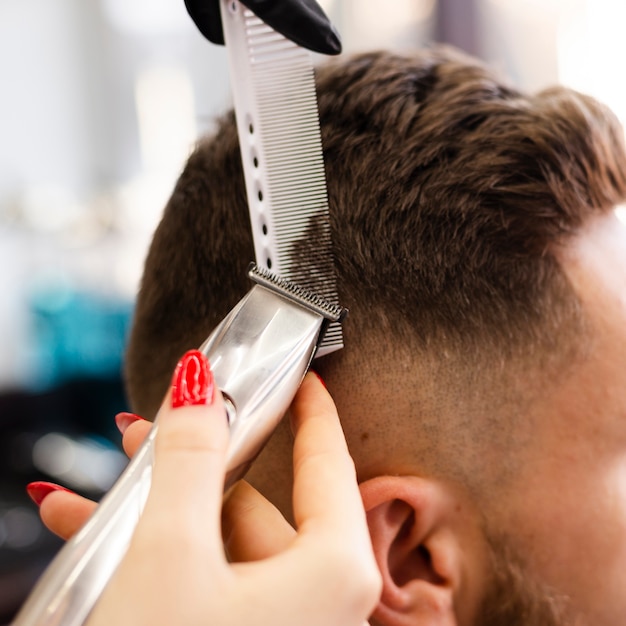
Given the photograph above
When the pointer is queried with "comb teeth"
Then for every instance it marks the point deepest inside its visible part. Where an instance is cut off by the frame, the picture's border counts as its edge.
(278, 126)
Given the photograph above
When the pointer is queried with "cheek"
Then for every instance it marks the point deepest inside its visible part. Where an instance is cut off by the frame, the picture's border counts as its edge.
(578, 537)
(613, 513)
(603, 550)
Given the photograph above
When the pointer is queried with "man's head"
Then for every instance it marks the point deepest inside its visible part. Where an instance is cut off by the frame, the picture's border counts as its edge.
(479, 388)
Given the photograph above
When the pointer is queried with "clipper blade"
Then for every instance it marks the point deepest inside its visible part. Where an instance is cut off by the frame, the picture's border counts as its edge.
(329, 310)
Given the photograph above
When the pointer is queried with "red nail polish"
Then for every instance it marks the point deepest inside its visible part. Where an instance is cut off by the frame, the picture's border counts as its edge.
(40, 489)
(193, 381)
(124, 420)
(319, 378)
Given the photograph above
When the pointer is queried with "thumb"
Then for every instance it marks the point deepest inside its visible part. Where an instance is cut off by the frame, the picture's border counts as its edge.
(190, 456)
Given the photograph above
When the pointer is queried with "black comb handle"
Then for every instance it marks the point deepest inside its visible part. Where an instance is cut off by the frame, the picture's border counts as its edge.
(302, 21)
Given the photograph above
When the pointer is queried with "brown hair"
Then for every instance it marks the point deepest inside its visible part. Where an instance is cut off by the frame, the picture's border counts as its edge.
(449, 192)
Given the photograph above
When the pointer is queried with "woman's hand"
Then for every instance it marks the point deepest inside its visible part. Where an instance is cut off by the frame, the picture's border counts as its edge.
(175, 570)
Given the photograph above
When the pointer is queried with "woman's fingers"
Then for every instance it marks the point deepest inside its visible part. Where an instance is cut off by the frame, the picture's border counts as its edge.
(134, 435)
(253, 528)
(325, 487)
(190, 450)
(64, 512)
(331, 522)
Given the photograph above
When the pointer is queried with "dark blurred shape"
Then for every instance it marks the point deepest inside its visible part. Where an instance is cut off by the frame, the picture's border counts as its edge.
(66, 434)
(302, 21)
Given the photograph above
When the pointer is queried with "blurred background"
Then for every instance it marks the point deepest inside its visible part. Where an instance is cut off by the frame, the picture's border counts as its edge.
(100, 104)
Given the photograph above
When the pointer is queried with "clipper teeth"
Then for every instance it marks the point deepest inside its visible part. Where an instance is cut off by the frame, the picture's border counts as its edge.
(261, 276)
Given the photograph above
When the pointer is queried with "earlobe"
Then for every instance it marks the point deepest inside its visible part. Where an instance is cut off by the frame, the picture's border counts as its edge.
(416, 548)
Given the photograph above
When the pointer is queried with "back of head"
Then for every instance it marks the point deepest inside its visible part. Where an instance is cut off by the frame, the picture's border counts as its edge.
(451, 195)
(449, 192)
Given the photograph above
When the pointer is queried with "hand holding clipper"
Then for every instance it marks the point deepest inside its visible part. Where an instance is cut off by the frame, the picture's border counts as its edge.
(175, 571)
(261, 351)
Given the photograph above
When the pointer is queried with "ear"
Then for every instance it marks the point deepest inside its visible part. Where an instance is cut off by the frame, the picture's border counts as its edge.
(415, 531)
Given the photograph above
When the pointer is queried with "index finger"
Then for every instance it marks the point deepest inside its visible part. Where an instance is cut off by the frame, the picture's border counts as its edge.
(326, 494)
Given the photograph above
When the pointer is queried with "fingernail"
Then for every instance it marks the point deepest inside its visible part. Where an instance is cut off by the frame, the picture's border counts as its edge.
(319, 378)
(40, 489)
(124, 420)
(193, 381)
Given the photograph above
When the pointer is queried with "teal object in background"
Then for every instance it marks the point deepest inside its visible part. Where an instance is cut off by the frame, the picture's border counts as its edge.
(76, 334)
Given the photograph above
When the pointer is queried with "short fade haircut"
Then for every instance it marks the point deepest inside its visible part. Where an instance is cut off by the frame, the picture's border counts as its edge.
(449, 193)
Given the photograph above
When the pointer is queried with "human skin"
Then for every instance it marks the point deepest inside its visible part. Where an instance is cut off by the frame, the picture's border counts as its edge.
(564, 511)
(324, 573)
(564, 508)
(568, 505)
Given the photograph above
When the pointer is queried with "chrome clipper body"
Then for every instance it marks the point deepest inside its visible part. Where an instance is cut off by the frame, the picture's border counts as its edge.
(259, 354)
